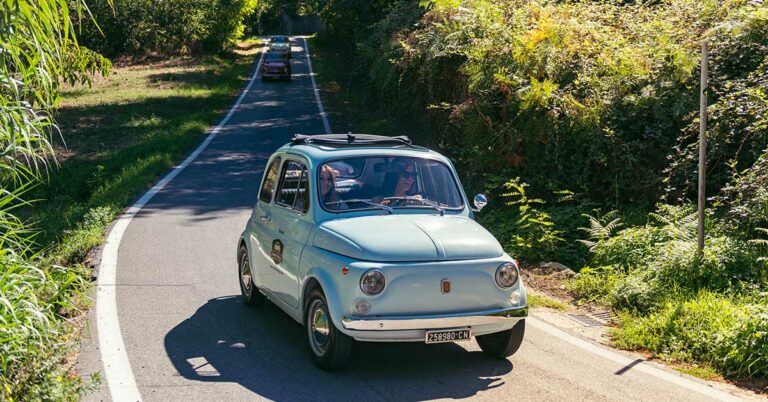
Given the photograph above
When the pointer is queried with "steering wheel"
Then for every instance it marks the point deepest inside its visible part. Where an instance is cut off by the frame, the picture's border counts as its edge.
(428, 197)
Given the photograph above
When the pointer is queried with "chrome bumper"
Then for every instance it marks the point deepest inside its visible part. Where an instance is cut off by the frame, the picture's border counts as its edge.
(435, 321)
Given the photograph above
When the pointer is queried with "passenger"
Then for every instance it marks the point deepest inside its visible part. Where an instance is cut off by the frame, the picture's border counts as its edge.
(328, 194)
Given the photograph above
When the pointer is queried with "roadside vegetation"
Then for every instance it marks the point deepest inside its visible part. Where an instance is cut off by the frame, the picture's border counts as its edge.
(77, 147)
(580, 121)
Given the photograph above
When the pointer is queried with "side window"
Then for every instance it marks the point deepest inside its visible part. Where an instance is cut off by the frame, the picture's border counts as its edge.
(294, 187)
(270, 179)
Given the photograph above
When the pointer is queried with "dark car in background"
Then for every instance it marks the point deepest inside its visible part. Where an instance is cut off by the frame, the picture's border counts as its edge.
(276, 65)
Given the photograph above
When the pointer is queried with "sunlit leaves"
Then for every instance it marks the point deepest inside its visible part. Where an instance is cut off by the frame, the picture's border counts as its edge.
(39, 51)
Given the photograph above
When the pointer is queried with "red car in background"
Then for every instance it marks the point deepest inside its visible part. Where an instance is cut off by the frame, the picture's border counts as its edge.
(276, 65)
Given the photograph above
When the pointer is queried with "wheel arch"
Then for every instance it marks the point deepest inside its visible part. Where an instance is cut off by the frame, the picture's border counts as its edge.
(318, 279)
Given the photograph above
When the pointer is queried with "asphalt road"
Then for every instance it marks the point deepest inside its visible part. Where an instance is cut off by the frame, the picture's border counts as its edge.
(188, 336)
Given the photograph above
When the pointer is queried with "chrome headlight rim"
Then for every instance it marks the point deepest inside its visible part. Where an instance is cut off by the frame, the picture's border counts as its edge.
(502, 280)
(373, 271)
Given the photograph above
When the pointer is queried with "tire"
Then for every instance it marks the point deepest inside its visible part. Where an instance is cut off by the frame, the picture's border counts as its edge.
(249, 291)
(501, 345)
(330, 350)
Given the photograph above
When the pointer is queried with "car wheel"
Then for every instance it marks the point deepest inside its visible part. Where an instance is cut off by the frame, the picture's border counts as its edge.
(502, 344)
(329, 348)
(248, 289)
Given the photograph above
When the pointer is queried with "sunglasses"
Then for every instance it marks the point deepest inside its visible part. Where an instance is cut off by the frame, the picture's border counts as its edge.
(407, 175)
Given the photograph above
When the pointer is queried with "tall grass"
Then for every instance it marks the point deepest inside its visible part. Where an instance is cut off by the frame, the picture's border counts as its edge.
(38, 53)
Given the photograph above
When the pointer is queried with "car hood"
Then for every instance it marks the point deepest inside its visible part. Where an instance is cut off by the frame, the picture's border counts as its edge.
(391, 238)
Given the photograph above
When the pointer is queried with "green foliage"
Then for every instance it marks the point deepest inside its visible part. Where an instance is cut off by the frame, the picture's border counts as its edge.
(137, 27)
(32, 302)
(664, 253)
(738, 116)
(594, 284)
(534, 236)
(600, 228)
(748, 197)
(677, 302)
(729, 335)
(552, 91)
(761, 243)
(39, 52)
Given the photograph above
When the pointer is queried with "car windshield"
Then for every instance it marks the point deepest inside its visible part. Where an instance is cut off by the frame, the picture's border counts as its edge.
(387, 183)
(279, 39)
(274, 57)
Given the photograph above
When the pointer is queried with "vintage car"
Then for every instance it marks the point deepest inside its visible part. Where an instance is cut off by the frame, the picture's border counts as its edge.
(371, 238)
(280, 44)
(276, 65)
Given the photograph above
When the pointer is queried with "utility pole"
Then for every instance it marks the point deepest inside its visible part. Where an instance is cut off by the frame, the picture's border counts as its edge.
(703, 141)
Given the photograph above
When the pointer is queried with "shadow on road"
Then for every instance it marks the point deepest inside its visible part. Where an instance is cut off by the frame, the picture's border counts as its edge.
(264, 351)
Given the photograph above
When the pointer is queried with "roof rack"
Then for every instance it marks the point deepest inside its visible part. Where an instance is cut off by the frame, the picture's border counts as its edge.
(350, 139)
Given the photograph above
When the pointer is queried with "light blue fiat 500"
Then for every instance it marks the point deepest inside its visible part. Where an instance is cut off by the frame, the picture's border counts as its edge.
(371, 238)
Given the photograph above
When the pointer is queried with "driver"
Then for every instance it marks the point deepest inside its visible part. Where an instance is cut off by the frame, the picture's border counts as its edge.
(399, 185)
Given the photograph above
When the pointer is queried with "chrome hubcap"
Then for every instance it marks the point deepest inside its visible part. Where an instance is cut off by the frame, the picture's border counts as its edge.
(319, 328)
(245, 275)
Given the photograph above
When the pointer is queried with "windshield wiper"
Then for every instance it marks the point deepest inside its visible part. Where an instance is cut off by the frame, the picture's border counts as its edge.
(373, 204)
(435, 205)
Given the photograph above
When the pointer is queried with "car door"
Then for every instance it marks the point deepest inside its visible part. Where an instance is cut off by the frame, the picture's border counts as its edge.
(264, 231)
(292, 224)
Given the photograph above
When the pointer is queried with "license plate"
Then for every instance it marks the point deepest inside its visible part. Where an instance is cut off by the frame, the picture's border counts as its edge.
(447, 335)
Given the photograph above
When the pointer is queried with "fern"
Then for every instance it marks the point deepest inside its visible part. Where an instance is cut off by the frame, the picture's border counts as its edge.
(682, 229)
(600, 228)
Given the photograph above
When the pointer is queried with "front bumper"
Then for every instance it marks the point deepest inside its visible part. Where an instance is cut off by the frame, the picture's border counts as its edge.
(495, 317)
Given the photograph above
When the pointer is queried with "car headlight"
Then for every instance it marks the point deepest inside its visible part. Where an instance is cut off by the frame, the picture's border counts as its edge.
(372, 282)
(507, 275)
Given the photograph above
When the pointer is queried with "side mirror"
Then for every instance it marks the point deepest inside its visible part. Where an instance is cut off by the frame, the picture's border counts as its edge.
(480, 202)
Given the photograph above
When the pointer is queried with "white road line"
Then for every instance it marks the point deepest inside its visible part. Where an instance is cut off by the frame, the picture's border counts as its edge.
(317, 92)
(117, 367)
(624, 360)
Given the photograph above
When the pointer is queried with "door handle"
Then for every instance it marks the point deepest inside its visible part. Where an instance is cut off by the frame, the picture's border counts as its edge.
(265, 218)
(280, 231)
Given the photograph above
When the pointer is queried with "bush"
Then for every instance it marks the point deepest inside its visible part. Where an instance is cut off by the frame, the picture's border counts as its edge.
(594, 284)
(637, 293)
(137, 27)
(33, 334)
(630, 249)
(726, 334)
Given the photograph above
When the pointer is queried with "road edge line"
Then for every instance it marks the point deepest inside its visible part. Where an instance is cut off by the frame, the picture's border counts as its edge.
(324, 115)
(114, 358)
(608, 354)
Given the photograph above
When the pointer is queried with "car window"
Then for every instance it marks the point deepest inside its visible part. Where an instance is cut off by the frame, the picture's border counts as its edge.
(274, 57)
(381, 182)
(270, 179)
(294, 187)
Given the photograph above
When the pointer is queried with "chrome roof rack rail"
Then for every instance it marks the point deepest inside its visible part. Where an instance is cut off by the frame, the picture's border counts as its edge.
(350, 139)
